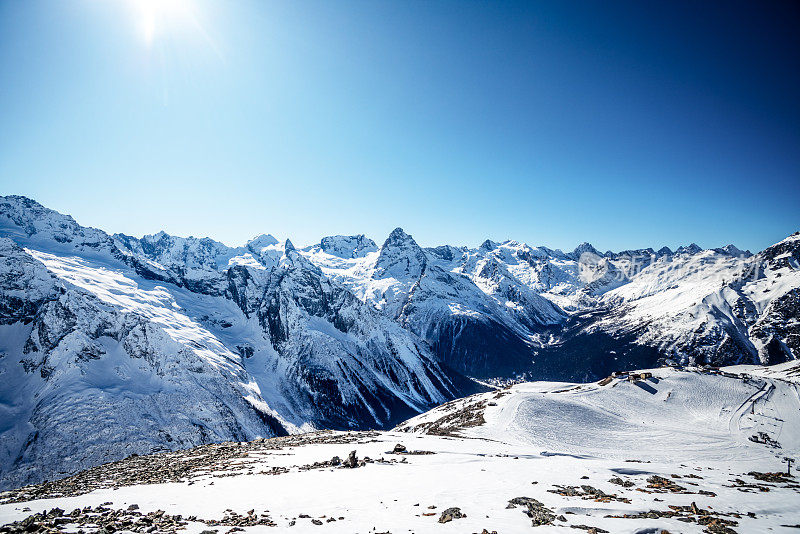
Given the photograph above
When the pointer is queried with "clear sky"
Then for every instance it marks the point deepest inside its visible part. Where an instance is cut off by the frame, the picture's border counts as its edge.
(626, 124)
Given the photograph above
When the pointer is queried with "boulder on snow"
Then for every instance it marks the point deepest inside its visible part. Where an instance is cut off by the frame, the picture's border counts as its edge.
(450, 514)
(352, 460)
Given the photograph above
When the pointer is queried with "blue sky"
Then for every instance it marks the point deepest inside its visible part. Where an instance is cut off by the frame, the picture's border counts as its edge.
(623, 124)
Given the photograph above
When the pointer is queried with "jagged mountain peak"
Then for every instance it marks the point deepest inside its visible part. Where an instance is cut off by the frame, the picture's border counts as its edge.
(158, 236)
(585, 248)
(28, 222)
(345, 246)
(693, 248)
(791, 238)
(785, 253)
(399, 238)
(400, 257)
(293, 260)
(733, 250)
(261, 241)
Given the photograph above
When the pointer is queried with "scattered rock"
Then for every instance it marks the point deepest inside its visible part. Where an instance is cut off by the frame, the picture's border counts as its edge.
(587, 492)
(539, 514)
(663, 485)
(459, 415)
(590, 530)
(352, 460)
(450, 514)
(620, 482)
(213, 460)
(714, 522)
(778, 478)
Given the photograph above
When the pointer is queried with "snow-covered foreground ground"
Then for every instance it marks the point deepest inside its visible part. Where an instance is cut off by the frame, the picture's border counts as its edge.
(691, 429)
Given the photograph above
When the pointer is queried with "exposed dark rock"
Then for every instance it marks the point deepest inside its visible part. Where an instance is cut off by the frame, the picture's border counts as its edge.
(450, 514)
(535, 510)
(177, 466)
(620, 482)
(351, 461)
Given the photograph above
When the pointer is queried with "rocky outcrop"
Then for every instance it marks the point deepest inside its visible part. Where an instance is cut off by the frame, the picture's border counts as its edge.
(163, 343)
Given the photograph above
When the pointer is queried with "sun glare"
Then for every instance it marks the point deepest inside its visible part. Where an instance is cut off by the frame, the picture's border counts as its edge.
(156, 16)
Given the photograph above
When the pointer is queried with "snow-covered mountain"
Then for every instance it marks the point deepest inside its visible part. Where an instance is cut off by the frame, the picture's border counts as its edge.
(91, 376)
(113, 345)
(483, 323)
(506, 309)
(170, 342)
(672, 450)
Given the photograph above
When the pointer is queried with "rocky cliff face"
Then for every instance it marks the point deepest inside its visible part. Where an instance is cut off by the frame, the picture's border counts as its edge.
(508, 309)
(482, 325)
(112, 345)
(356, 246)
(84, 381)
(117, 345)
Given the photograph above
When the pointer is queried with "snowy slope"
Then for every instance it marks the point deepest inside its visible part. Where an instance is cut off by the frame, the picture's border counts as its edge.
(708, 416)
(484, 325)
(186, 339)
(346, 334)
(670, 454)
(94, 369)
(711, 307)
(509, 309)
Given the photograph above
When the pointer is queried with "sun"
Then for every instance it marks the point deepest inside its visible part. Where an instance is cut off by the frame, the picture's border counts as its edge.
(157, 16)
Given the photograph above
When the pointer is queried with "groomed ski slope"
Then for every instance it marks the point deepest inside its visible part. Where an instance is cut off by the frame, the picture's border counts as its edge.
(691, 424)
(708, 417)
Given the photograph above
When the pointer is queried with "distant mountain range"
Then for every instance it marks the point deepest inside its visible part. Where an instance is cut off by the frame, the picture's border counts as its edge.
(509, 309)
(112, 345)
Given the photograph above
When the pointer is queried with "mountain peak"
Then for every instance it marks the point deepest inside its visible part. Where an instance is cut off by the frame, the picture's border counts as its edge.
(261, 241)
(347, 246)
(693, 248)
(585, 248)
(399, 238)
(288, 247)
(400, 256)
(28, 223)
(733, 250)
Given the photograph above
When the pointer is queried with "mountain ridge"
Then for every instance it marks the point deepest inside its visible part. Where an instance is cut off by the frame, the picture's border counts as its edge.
(267, 332)
(344, 334)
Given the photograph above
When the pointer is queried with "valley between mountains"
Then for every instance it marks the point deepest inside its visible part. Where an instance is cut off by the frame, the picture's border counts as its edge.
(687, 451)
(116, 348)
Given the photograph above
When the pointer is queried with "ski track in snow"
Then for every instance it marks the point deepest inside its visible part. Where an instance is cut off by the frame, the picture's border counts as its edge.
(681, 422)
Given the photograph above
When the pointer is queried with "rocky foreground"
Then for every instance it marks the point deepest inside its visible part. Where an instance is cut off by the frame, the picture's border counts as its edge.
(662, 451)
